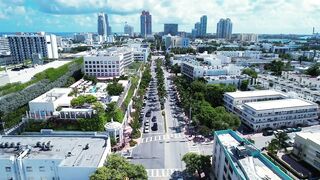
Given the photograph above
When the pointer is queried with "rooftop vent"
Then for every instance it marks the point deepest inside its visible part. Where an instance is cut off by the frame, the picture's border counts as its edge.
(86, 147)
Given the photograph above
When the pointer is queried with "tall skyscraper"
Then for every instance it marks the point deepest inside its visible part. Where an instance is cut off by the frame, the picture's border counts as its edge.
(170, 29)
(224, 29)
(102, 26)
(104, 29)
(128, 29)
(203, 26)
(108, 27)
(145, 23)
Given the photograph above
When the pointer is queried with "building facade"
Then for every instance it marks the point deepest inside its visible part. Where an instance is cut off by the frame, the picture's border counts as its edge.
(53, 155)
(175, 42)
(224, 29)
(267, 109)
(128, 30)
(108, 63)
(29, 46)
(203, 26)
(237, 159)
(248, 37)
(170, 29)
(145, 23)
(4, 46)
(307, 148)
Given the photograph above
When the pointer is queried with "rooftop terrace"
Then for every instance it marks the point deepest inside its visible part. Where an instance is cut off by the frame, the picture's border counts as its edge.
(278, 104)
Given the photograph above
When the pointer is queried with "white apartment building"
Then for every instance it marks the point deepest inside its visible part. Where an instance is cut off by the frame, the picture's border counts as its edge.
(29, 46)
(195, 69)
(175, 42)
(140, 51)
(243, 54)
(307, 148)
(237, 159)
(4, 46)
(108, 63)
(264, 109)
(299, 85)
(53, 155)
(248, 37)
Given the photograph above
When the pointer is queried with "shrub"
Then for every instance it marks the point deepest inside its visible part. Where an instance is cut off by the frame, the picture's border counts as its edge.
(132, 143)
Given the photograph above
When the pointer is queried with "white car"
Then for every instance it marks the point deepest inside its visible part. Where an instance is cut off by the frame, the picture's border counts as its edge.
(146, 129)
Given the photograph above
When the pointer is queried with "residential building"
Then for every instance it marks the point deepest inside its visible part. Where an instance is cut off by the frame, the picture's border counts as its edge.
(175, 41)
(248, 37)
(128, 30)
(4, 46)
(140, 51)
(171, 29)
(196, 31)
(53, 155)
(264, 109)
(29, 46)
(145, 23)
(294, 83)
(108, 63)
(307, 148)
(203, 26)
(102, 26)
(242, 54)
(104, 29)
(224, 29)
(236, 158)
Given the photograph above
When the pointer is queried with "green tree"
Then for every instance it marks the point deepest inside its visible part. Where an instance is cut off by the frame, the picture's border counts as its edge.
(276, 66)
(176, 69)
(314, 70)
(250, 72)
(281, 138)
(273, 146)
(197, 163)
(114, 89)
(118, 168)
(244, 85)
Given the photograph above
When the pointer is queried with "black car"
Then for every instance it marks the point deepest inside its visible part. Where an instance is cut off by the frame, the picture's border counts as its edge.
(148, 114)
(154, 127)
(154, 119)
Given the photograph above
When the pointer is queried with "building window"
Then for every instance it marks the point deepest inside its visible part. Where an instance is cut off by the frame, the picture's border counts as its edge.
(29, 169)
(318, 154)
(8, 169)
(42, 169)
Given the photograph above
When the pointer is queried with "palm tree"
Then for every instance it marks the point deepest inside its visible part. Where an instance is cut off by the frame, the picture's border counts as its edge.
(282, 138)
(273, 146)
(111, 109)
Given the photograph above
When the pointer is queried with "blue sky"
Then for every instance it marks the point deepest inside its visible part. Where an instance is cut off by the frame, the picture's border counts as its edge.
(248, 16)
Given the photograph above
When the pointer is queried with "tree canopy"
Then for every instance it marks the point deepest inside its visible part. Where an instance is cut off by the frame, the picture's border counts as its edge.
(250, 72)
(115, 89)
(118, 168)
(197, 163)
(80, 100)
(314, 70)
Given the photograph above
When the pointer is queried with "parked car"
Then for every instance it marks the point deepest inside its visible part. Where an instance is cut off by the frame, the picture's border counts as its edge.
(146, 129)
(267, 132)
(148, 114)
(154, 127)
(298, 129)
(154, 119)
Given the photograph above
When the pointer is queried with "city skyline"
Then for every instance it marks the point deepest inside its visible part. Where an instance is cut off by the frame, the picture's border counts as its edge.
(248, 16)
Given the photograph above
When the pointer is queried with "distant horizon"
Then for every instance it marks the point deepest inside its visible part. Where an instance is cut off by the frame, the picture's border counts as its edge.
(3, 32)
(247, 16)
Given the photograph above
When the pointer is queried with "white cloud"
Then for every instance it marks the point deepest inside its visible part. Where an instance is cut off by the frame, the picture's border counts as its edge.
(258, 16)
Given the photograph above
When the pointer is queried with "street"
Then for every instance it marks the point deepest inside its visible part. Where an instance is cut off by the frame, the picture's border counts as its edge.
(161, 151)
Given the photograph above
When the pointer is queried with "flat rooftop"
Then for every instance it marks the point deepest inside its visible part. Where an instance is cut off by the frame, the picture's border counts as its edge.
(253, 165)
(312, 136)
(67, 148)
(259, 93)
(53, 95)
(112, 51)
(278, 104)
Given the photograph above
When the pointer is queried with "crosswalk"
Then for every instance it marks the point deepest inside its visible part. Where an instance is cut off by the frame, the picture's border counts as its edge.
(161, 173)
(162, 137)
(192, 147)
